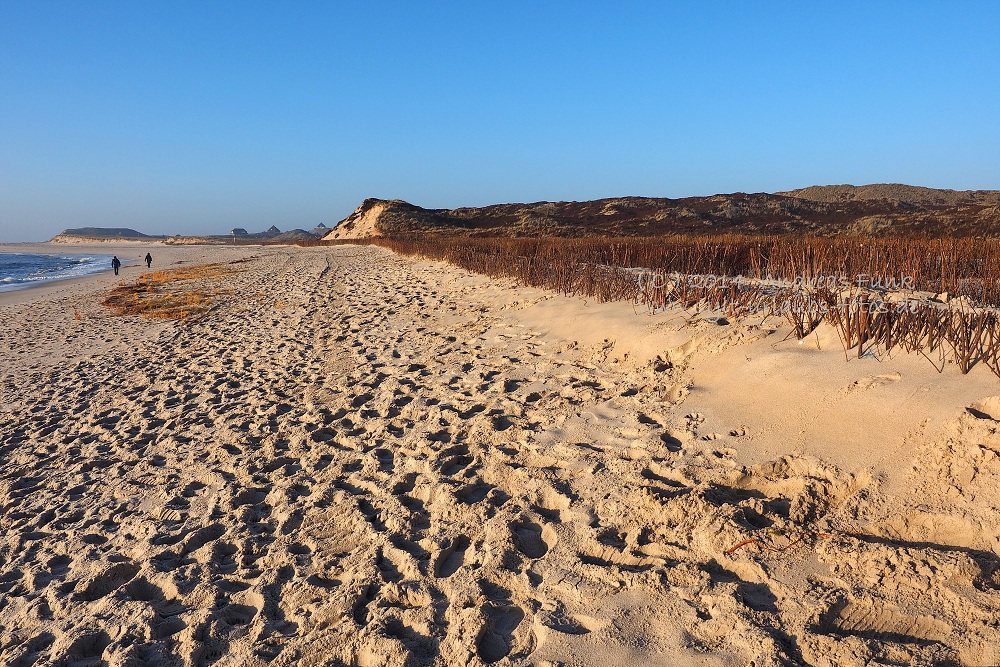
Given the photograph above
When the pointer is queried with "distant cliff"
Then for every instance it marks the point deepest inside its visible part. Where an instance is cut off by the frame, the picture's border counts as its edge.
(125, 235)
(103, 235)
(883, 210)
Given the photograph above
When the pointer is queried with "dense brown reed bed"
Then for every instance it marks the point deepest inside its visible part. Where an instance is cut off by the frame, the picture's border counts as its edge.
(959, 266)
(166, 294)
(868, 289)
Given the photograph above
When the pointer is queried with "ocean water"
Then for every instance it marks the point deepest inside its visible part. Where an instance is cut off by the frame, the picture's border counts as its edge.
(21, 270)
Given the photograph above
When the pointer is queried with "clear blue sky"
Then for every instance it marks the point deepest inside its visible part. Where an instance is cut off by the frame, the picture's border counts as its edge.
(187, 117)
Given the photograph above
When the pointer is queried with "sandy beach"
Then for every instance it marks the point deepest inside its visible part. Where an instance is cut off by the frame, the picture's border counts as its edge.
(356, 458)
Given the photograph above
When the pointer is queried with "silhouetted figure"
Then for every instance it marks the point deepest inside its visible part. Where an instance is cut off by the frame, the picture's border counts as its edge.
(116, 264)
(149, 260)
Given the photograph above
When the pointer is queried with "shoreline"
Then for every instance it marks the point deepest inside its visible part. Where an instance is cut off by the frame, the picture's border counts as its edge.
(164, 255)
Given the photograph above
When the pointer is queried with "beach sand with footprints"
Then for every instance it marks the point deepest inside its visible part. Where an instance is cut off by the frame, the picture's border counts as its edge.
(355, 458)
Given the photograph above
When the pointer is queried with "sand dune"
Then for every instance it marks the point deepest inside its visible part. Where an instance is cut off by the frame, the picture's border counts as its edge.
(359, 459)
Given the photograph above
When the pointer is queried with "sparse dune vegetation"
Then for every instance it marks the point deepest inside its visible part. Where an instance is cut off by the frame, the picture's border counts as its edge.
(174, 294)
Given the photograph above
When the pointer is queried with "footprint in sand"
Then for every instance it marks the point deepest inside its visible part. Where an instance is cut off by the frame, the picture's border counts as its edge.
(560, 621)
(533, 540)
(455, 459)
(386, 460)
(452, 558)
(496, 640)
(109, 581)
(870, 618)
(365, 597)
(86, 649)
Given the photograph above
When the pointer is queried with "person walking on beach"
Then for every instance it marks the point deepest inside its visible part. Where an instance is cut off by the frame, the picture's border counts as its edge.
(149, 260)
(115, 264)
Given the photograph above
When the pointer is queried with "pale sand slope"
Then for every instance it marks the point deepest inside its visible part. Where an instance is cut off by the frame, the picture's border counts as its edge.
(360, 459)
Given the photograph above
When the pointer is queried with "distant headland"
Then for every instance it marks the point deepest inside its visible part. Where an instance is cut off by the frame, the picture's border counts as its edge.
(82, 235)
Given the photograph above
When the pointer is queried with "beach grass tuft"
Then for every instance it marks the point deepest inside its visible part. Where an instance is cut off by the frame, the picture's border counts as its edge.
(173, 294)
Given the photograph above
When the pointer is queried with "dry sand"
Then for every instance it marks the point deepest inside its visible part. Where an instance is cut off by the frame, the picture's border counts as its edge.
(360, 459)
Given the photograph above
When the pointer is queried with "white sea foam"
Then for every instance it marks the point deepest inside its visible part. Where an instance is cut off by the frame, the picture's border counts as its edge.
(23, 270)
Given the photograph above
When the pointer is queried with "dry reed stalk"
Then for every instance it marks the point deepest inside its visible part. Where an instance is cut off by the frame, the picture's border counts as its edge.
(864, 270)
(165, 294)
